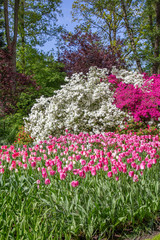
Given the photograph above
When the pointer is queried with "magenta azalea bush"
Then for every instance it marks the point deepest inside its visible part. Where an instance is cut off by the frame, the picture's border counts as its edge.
(142, 102)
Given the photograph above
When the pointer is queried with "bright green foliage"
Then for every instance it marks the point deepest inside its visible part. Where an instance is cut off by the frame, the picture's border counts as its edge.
(9, 128)
(37, 20)
(47, 72)
(104, 17)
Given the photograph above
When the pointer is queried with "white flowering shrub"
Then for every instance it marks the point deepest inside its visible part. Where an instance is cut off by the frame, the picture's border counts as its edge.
(83, 104)
(129, 77)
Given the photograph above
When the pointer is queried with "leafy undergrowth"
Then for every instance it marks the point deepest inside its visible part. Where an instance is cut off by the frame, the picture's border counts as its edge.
(80, 187)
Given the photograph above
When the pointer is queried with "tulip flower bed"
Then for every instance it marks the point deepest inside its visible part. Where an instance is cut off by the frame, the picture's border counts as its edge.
(79, 186)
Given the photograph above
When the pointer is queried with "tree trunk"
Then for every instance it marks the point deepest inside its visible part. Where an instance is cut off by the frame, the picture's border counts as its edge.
(156, 63)
(151, 29)
(130, 35)
(22, 32)
(12, 45)
(114, 26)
(6, 23)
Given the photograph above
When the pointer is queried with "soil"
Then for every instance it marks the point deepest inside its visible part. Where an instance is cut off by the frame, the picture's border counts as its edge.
(147, 235)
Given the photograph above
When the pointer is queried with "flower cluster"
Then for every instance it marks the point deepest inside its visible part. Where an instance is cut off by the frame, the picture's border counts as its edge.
(129, 77)
(72, 157)
(85, 104)
(23, 137)
(142, 102)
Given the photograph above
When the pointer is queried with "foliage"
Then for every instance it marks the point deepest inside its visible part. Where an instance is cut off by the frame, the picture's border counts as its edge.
(36, 20)
(81, 51)
(48, 73)
(12, 84)
(103, 17)
(157, 237)
(9, 127)
(49, 76)
(85, 103)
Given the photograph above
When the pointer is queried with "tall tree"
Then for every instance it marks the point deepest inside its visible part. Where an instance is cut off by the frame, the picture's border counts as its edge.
(150, 34)
(32, 21)
(101, 15)
(107, 18)
(156, 63)
(11, 43)
(38, 20)
(131, 35)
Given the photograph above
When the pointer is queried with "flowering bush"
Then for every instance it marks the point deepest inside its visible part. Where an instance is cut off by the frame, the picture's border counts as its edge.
(128, 77)
(85, 103)
(23, 137)
(142, 100)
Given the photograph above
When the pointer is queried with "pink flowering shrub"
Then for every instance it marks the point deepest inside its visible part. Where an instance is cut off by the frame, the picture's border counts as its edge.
(141, 102)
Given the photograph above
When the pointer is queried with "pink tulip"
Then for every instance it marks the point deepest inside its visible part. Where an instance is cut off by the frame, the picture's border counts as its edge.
(63, 175)
(38, 181)
(149, 165)
(52, 172)
(70, 167)
(83, 162)
(74, 183)
(131, 173)
(93, 172)
(2, 170)
(109, 154)
(86, 168)
(33, 164)
(44, 175)
(117, 178)
(105, 168)
(109, 174)
(13, 164)
(20, 164)
(142, 166)
(135, 178)
(47, 181)
(25, 166)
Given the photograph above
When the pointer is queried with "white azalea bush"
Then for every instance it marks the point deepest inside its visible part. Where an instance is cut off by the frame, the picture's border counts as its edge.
(84, 104)
(129, 77)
